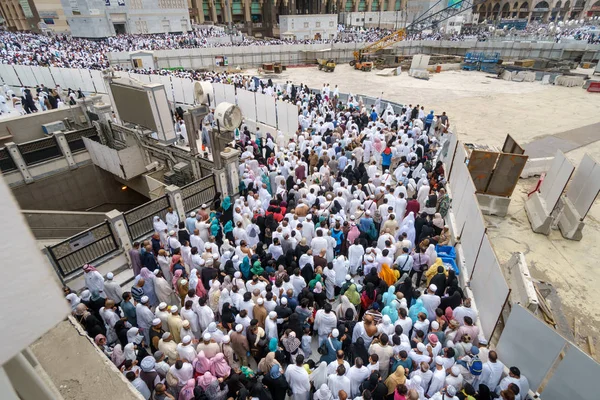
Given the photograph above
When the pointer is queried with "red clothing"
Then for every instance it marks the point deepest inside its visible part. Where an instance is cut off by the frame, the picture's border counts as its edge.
(412, 205)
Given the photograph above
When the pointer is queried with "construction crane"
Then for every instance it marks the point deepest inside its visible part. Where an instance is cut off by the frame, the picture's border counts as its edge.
(428, 20)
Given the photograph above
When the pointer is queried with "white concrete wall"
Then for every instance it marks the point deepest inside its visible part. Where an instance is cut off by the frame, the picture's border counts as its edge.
(309, 25)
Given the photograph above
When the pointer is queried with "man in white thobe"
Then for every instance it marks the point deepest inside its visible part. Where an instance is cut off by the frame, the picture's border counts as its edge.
(438, 378)
(113, 289)
(172, 220)
(297, 378)
(357, 374)
(339, 381)
(325, 322)
(491, 372)
(144, 317)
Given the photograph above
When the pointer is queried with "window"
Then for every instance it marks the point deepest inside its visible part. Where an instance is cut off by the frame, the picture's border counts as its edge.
(370, 19)
(331, 23)
(292, 25)
(357, 19)
(49, 21)
(306, 24)
(318, 24)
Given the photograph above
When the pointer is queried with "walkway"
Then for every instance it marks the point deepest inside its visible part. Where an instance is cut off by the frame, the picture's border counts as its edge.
(565, 141)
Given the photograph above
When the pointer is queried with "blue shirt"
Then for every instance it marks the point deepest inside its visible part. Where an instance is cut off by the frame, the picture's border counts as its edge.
(342, 162)
(386, 159)
(374, 116)
(190, 224)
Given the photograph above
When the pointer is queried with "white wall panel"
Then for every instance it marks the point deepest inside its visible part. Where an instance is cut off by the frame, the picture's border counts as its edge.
(58, 77)
(37, 74)
(282, 117)
(219, 93)
(261, 108)
(585, 185)
(472, 235)
(229, 91)
(489, 287)
(188, 91)
(9, 76)
(25, 75)
(292, 118)
(88, 83)
(529, 344)
(98, 81)
(178, 90)
(576, 377)
(271, 112)
(247, 103)
(47, 78)
(556, 179)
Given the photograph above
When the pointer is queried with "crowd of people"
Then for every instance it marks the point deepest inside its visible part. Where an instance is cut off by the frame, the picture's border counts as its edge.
(64, 51)
(33, 100)
(320, 281)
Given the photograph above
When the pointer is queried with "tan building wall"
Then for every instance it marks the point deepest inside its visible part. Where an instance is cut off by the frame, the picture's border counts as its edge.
(24, 16)
(53, 10)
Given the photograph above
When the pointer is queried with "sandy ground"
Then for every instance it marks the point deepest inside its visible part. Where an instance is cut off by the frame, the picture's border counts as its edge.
(77, 370)
(483, 110)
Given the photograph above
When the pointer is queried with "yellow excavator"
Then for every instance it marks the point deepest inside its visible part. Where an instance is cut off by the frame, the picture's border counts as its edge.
(428, 20)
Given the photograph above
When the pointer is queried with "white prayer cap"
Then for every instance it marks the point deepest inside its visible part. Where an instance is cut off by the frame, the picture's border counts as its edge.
(204, 206)
(455, 370)
(272, 315)
(283, 301)
(352, 217)
(144, 299)
(309, 216)
(166, 335)
(260, 301)
(156, 271)
(156, 321)
(226, 339)
(370, 258)
(237, 274)
(335, 333)
(215, 256)
(185, 323)
(162, 306)
(451, 391)
(171, 233)
(348, 277)
(239, 328)
(192, 214)
(174, 309)
(432, 287)
(421, 347)
(387, 171)
(207, 246)
(435, 325)
(372, 196)
(109, 276)
(186, 339)
(404, 173)
(202, 261)
(184, 281)
(368, 212)
(439, 360)
(212, 327)
(206, 337)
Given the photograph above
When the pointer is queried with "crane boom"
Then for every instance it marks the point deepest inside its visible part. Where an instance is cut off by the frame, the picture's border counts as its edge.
(429, 19)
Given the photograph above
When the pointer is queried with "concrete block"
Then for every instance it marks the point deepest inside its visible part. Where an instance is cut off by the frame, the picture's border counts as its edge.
(520, 282)
(569, 221)
(536, 166)
(493, 205)
(539, 216)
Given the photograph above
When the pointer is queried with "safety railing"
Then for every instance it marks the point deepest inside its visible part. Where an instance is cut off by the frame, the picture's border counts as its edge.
(6, 162)
(197, 193)
(75, 138)
(139, 220)
(84, 248)
(39, 150)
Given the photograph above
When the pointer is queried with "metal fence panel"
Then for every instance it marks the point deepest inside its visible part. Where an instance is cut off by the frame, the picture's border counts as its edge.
(83, 248)
(6, 162)
(197, 193)
(75, 139)
(139, 219)
(40, 150)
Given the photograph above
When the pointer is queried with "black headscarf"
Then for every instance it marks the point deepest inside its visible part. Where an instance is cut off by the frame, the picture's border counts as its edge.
(227, 315)
(358, 350)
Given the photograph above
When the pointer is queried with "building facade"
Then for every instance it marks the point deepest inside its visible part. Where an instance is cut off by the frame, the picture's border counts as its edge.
(544, 11)
(308, 26)
(34, 15)
(103, 18)
(260, 16)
